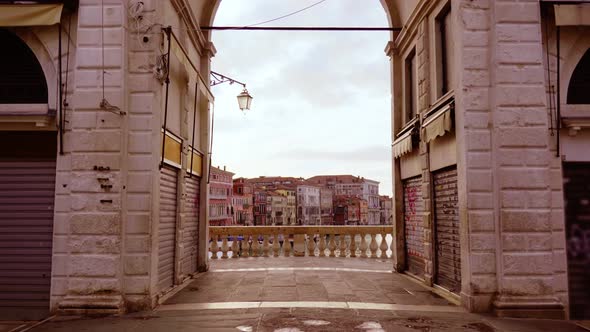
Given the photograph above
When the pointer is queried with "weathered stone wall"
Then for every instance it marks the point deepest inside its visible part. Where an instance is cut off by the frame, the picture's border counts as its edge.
(107, 190)
(474, 153)
(507, 158)
(509, 185)
(91, 212)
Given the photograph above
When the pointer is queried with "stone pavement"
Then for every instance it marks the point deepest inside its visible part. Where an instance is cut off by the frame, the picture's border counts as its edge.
(304, 294)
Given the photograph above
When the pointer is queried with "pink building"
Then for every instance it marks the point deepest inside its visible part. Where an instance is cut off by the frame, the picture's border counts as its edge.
(220, 196)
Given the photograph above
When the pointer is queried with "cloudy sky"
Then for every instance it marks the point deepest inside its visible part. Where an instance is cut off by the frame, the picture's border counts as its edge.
(321, 99)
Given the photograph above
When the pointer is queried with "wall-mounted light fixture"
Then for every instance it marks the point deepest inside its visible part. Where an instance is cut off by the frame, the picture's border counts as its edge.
(244, 98)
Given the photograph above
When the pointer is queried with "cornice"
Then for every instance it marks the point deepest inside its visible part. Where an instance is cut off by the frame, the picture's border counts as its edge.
(195, 33)
(410, 29)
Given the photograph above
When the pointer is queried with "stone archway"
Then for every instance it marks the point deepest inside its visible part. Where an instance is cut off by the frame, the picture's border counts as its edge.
(205, 12)
(210, 7)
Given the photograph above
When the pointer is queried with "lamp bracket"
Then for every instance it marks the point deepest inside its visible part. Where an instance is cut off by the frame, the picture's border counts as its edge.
(217, 78)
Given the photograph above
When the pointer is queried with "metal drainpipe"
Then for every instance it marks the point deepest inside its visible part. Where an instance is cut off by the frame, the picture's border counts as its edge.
(558, 35)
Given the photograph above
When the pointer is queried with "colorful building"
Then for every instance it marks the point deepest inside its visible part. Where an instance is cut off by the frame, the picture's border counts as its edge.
(260, 206)
(220, 197)
(349, 185)
(277, 209)
(326, 206)
(350, 210)
(242, 202)
(290, 192)
(308, 205)
(386, 209)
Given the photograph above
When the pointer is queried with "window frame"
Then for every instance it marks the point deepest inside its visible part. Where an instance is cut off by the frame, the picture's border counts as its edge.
(410, 87)
(440, 52)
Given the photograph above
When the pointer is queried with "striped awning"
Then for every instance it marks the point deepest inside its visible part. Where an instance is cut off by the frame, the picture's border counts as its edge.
(438, 124)
(23, 15)
(402, 144)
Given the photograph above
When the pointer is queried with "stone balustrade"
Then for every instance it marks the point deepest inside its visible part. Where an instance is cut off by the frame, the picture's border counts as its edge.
(287, 241)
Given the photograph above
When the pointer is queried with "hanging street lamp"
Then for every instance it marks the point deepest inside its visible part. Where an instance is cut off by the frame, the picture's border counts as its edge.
(244, 98)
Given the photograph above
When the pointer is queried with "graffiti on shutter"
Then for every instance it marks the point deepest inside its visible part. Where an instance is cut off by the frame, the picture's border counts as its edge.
(447, 238)
(413, 225)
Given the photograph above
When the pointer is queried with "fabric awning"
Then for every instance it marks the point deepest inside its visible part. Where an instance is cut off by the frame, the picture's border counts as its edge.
(24, 15)
(402, 144)
(437, 124)
(572, 14)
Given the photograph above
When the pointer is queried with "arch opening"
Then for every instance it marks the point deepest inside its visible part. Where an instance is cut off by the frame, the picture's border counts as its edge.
(22, 80)
(579, 85)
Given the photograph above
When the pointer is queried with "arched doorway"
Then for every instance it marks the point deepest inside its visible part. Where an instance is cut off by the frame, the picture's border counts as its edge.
(576, 184)
(27, 185)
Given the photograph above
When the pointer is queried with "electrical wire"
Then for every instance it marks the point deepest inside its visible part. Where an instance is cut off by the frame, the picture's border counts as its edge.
(287, 15)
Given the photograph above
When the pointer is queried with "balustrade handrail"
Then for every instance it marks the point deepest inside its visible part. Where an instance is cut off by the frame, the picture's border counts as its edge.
(306, 229)
(322, 241)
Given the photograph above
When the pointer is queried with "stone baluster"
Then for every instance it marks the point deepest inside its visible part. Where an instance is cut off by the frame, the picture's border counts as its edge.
(322, 245)
(245, 247)
(383, 245)
(224, 247)
(353, 245)
(392, 244)
(286, 245)
(276, 246)
(265, 246)
(343, 245)
(363, 246)
(373, 247)
(332, 245)
(214, 247)
(235, 248)
(310, 245)
(255, 245)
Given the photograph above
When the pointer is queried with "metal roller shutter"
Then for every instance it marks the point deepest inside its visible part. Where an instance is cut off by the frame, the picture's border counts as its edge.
(413, 226)
(191, 226)
(167, 227)
(447, 238)
(27, 192)
(577, 212)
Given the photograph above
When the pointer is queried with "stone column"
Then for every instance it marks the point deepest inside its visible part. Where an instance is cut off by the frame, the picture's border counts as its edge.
(503, 141)
(398, 209)
(422, 55)
(525, 276)
(473, 113)
(95, 140)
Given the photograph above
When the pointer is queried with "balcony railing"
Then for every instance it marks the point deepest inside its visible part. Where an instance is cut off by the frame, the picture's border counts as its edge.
(287, 241)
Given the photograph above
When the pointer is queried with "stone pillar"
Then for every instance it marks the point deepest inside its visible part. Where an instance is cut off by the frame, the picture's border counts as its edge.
(526, 264)
(422, 55)
(502, 129)
(399, 258)
(96, 144)
(477, 197)
(141, 164)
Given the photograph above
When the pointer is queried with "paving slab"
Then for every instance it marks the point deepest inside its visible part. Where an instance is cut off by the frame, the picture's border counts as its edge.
(304, 294)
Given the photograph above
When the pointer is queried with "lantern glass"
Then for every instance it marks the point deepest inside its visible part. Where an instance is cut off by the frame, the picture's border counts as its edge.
(244, 100)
